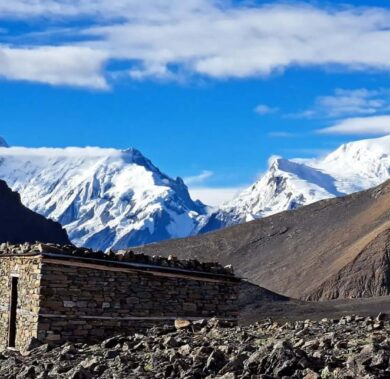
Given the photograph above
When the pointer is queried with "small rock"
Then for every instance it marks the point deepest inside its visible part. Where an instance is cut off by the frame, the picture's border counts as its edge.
(311, 375)
(185, 349)
(182, 324)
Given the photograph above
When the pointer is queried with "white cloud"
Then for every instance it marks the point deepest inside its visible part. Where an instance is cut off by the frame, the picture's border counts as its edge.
(214, 196)
(212, 38)
(156, 71)
(244, 42)
(63, 65)
(375, 125)
(197, 179)
(107, 9)
(263, 109)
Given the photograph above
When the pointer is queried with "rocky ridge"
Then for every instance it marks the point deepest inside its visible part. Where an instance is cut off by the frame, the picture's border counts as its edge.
(350, 347)
(19, 224)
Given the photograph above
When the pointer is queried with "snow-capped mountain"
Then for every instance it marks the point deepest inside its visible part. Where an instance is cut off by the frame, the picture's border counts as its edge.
(108, 198)
(289, 184)
(105, 198)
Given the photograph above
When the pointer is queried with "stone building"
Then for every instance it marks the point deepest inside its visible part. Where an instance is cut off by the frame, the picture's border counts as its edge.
(54, 294)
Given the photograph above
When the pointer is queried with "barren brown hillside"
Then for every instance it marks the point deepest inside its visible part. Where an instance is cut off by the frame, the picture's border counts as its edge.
(336, 248)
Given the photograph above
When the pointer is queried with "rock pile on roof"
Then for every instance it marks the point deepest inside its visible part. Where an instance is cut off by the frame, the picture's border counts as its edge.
(121, 256)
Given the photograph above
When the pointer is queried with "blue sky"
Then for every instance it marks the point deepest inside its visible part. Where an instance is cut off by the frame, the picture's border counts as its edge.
(208, 90)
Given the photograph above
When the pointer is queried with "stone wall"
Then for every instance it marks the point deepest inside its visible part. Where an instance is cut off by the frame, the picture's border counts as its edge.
(27, 269)
(81, 302)
(67, 299)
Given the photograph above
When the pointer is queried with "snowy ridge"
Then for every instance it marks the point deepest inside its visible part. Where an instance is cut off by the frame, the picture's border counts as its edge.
(289, 184)
(105, 198)
(109, 198)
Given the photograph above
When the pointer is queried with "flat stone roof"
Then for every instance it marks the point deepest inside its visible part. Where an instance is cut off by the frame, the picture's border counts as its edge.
(122, 257)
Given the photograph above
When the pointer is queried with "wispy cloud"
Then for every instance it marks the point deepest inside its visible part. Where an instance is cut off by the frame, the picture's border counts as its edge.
(208, 38)
(354, 102)
(281, 134)
(198, 179)
(215, 196)
(263, 109)
(375, 125)
(346, 102)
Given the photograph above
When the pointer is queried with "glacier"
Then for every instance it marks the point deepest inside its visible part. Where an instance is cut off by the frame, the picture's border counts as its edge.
(105, 198)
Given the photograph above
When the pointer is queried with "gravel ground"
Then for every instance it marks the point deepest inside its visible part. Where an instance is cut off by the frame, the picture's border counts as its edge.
(349, 347)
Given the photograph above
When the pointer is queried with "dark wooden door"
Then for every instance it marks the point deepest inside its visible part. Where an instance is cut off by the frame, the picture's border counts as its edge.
(12, 312)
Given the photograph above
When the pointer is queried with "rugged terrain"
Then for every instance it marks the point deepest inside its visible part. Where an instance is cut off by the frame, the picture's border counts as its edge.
(351, 347)
(19, 224)
(336, 248)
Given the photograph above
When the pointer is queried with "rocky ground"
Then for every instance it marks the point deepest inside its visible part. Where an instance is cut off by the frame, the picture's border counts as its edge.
(351, 347)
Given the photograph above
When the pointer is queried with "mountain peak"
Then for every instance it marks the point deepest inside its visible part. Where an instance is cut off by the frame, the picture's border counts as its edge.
(136, 157)
(105, 198)
(292, 183)
(3, 142)
(273, 162)
(134, 153)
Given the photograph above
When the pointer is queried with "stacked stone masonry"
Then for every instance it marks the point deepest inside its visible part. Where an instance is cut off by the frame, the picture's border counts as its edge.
(28, 272)
(75, 297)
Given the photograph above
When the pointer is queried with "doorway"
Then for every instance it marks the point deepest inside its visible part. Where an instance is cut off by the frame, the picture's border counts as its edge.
(12, 312)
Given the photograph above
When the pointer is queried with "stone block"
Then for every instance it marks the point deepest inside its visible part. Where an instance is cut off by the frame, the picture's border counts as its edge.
(69, 304)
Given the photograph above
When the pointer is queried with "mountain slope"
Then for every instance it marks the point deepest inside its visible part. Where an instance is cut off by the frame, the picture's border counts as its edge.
(335, 248)
(289, 184)
(105, 198)
(367, 275)
(18, 224)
